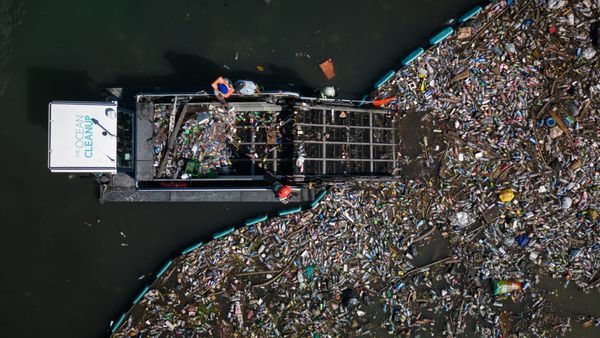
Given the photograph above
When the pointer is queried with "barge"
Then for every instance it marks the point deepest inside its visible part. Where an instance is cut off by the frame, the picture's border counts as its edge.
(172, 147)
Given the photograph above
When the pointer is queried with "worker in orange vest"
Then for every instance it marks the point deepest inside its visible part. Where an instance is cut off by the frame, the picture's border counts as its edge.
(283, 192)
(222, 87)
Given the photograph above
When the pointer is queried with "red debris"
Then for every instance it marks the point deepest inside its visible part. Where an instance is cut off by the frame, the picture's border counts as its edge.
(327, 68)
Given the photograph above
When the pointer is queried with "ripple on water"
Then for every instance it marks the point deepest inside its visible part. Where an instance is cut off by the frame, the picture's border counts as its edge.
(11, 15)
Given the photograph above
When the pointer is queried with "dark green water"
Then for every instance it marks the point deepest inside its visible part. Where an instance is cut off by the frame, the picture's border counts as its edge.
(63, 278)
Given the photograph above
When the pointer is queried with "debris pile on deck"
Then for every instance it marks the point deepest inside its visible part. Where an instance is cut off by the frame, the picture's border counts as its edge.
(293, 138)
(209, 138)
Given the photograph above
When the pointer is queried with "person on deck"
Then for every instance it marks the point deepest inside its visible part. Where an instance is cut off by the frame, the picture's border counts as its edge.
(222, 87)
(283, 192)
(246, 87)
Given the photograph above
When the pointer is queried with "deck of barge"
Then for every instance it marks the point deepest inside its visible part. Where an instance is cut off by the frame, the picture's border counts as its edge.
(315, 140)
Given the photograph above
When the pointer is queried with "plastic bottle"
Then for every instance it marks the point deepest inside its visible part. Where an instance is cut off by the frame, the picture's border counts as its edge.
(505, 286)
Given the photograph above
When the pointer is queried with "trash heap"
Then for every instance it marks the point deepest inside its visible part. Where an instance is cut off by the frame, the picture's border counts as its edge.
(515, 96)
(326, 271)
(354, 264)
(201, 147)
(210, 138)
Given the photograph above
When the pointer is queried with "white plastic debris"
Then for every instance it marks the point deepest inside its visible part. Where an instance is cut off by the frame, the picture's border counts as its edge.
(566, 202)
(589, 53)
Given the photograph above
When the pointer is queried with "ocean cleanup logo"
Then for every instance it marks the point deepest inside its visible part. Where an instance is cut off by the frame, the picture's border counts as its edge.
(84, 143)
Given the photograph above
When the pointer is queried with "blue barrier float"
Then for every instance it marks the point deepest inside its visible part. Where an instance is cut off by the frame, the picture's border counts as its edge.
(385, 79)
(289, 211)
(195, 246)
(223, 233)
(439, 37)
(363, 100)
(412, 56)
(118, 323)
(164, 269)
(318, 198)
(468, 15)
(255, 220)
(137, 299)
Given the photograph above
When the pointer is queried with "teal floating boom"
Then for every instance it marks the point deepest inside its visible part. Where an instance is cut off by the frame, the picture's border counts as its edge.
(318, 198)
(412, 56)
(137, 299)
(163, 269)
(385, 79)
(363, 100)
(223, 233)
(255, 220)
(193, 247)
(289, 211)
(468, 15)
(118, 323)
(439, 37)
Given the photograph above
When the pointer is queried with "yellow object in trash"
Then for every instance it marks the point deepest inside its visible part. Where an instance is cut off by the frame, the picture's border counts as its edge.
(507, 195)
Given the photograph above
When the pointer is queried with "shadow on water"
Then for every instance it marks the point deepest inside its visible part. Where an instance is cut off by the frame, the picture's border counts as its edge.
(190, 73)
(194, 73)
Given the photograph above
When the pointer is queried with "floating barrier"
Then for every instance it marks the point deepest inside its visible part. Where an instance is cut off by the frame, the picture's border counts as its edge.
(289, 211)
(468, 15)
(412, 56)
(255, 220)
(137, 299)
(363, 100)
(196, 246)
(385, 79)
(318, 198)
(439, 37)
(164, 269)
(223, 233)
(118, 323)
